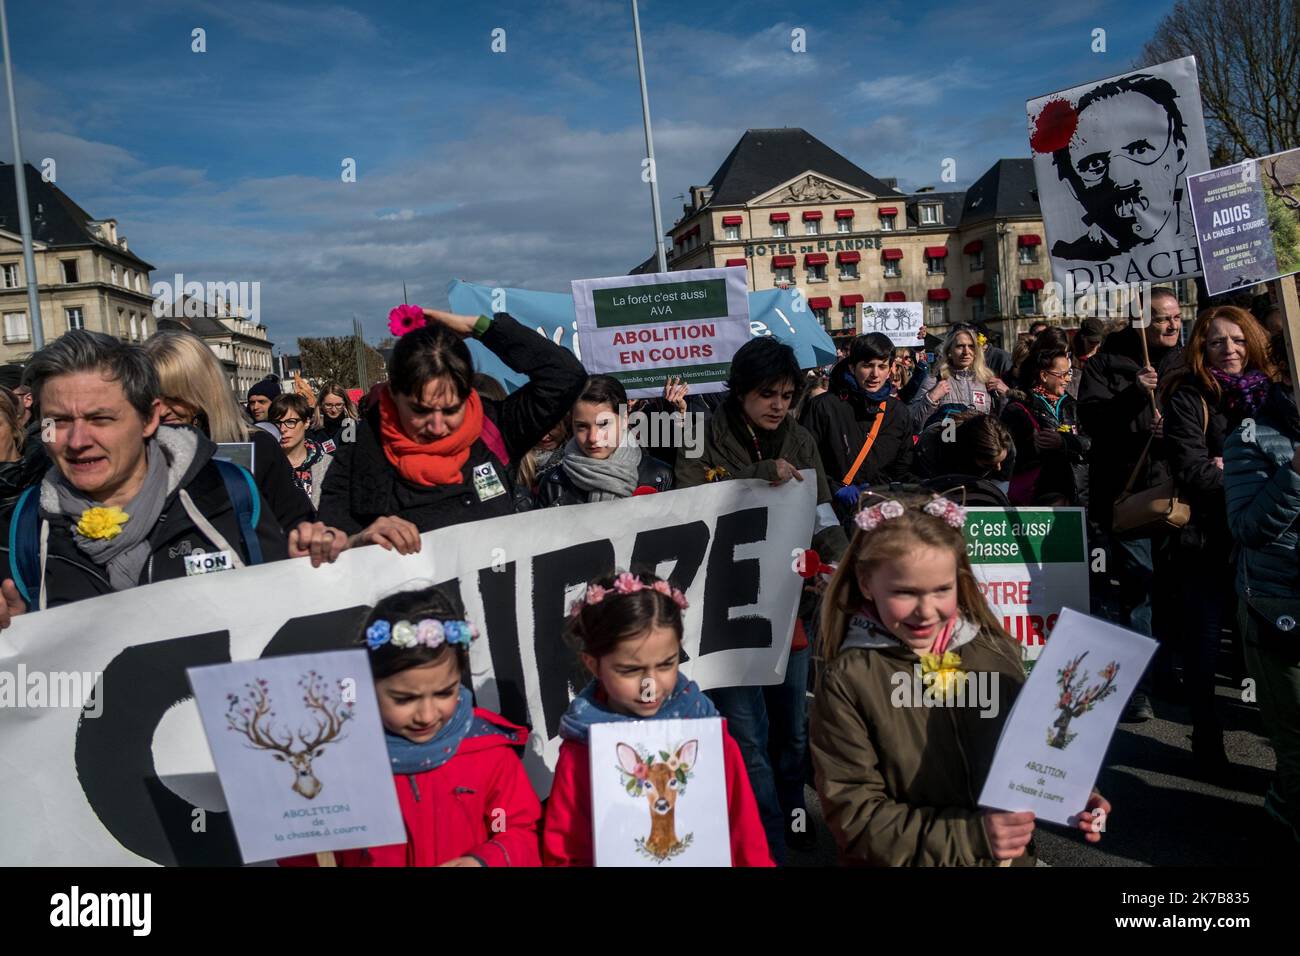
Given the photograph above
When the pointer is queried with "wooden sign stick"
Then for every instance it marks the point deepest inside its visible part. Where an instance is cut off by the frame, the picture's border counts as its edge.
(326, 858)
(1291, 329)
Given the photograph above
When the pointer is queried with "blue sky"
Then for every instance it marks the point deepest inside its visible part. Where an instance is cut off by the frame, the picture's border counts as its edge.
(519, 168)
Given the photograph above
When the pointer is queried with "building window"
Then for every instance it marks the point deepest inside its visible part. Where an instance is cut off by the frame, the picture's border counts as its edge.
(144, 326)
(936, 314)
(929, 215)
(816, 273)
(849, 317)
(112, 275)
(976, 261)
(70, 271)
(778, 230)
(1028, 255)
(977, 310)
(731, 232)
(139, 283)
(1028, 303)
(844, 225)
(783, 275)
(822, 316)
(121, 322)
(893, 268)
(934, 265)
(812, 227)
(16, 327)
(849, 270)
(10, 272)
(887, 223)
(134, 329)
(75, 319)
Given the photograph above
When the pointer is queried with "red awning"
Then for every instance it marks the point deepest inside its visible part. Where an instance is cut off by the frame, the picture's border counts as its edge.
(890, 211)
(780, 217)
(843, 213)
(737, 262)
(816, 259)
(936, 252)
(843, 257)
(888, 254)
(975, 245)
(811, 214)
(976, 291)
(939, 295)
(848, 300)
(1031, 285)
(784, 262)
(895, 296)
(1030, 240)
(732, 220)
(819, 302)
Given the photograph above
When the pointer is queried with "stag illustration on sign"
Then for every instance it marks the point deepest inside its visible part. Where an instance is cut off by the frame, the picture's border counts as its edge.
(250, 714)
(661, 781)
(1075, 701)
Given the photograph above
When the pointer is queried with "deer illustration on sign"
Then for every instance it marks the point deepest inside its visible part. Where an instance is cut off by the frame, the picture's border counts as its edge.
(250, 714)
(661, 782)
(1075, 701)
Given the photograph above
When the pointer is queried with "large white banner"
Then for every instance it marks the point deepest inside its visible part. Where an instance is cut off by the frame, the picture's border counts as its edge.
(1111, 160)
(121, 773)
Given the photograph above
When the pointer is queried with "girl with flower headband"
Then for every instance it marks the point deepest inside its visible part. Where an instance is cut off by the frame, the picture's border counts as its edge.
(628, 632)
(899, 780)
(429, 451)
(462, 789)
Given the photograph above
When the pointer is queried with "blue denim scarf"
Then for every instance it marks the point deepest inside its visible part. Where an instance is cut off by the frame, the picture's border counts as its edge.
(686, 700)
(409, 757)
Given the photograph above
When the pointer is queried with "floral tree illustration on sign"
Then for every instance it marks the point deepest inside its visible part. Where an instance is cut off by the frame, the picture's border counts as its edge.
(250, 714)
(661, 782)
(1075, 701)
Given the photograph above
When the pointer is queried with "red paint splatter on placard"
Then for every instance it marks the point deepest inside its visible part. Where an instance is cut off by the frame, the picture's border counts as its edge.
(1053, 127)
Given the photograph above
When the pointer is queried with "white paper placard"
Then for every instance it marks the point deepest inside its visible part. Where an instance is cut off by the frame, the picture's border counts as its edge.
(659, 793)
(1056, 735)
(299, 747)
(901, 321)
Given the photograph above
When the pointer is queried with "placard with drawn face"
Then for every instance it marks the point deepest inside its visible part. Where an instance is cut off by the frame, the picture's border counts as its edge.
(659, 793)
(299, 747)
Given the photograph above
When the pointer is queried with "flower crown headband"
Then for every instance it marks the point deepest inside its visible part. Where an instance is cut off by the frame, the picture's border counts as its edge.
(869, 519)
(427, 632)
(627, 583)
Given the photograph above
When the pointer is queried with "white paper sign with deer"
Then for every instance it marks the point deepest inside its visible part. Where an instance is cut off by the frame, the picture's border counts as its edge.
(659, 793)
(299, 748)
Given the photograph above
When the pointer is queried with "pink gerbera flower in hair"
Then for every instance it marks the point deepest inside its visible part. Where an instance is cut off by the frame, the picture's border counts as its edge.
(406, 318)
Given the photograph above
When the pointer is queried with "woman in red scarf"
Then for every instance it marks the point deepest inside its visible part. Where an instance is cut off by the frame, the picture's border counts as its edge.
(430, 451)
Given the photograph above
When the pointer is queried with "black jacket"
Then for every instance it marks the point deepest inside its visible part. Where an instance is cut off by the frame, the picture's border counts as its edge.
(840, 419)
(362, 485)
(71, 576)
(1115, 412)
(557, 488)
(1193, 439)
(274, 477)
(17, 476)
(1060, 468)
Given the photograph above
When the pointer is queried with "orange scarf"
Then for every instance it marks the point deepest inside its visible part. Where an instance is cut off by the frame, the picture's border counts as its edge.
(438, 462)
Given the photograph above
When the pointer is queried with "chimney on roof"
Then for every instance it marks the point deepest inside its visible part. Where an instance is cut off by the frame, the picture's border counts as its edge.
(890, 181)
(700, 196)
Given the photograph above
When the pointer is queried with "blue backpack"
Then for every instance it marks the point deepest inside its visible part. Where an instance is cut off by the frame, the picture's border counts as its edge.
(24, 527)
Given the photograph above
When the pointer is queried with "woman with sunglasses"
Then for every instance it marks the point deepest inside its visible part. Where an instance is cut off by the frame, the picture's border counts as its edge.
(1043, 419)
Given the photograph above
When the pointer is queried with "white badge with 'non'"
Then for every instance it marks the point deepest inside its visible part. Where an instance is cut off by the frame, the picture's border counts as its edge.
(486, 483)
(205, 562)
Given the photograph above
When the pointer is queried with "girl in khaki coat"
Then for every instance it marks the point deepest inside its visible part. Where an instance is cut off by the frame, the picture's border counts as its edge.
(899, 770)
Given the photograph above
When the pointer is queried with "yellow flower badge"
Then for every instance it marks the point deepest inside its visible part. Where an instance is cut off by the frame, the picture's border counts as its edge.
(946, 670)
(100, 524)
(715, 474)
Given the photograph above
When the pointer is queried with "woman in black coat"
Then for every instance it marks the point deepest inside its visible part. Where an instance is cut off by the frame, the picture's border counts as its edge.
(602, 462)
(430, 451)
(1043, 420)
(1225, 381)
(860, 406)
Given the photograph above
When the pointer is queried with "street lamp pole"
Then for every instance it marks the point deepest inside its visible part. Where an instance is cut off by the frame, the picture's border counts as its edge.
(660, 253)
(20, 183)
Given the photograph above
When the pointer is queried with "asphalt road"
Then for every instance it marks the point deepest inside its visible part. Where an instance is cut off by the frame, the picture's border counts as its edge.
(1162, 814)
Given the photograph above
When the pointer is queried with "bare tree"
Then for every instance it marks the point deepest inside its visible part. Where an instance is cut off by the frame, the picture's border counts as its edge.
(334, 359)
(1248, 57)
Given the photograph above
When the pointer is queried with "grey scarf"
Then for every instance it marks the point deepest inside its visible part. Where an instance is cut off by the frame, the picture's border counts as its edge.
(125, 554)
(608, 480)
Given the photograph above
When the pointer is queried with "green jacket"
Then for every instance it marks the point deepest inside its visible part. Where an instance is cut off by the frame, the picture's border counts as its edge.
(899, 783)
(725, 455)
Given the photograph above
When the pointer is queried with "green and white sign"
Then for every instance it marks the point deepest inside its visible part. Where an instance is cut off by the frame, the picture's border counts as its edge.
(643, 329)
(1029, 563)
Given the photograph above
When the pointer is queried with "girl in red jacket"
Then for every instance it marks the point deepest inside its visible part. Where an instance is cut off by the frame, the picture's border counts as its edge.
(629, 631)
(464, 795)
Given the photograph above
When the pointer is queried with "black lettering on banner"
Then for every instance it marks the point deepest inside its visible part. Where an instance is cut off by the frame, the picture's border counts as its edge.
(501, 624)
(557, 669)
(685, 542)
(730, 583)
(114, 752)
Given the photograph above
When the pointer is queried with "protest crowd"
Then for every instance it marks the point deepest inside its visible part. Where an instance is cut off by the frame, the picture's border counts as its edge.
(113, 473)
